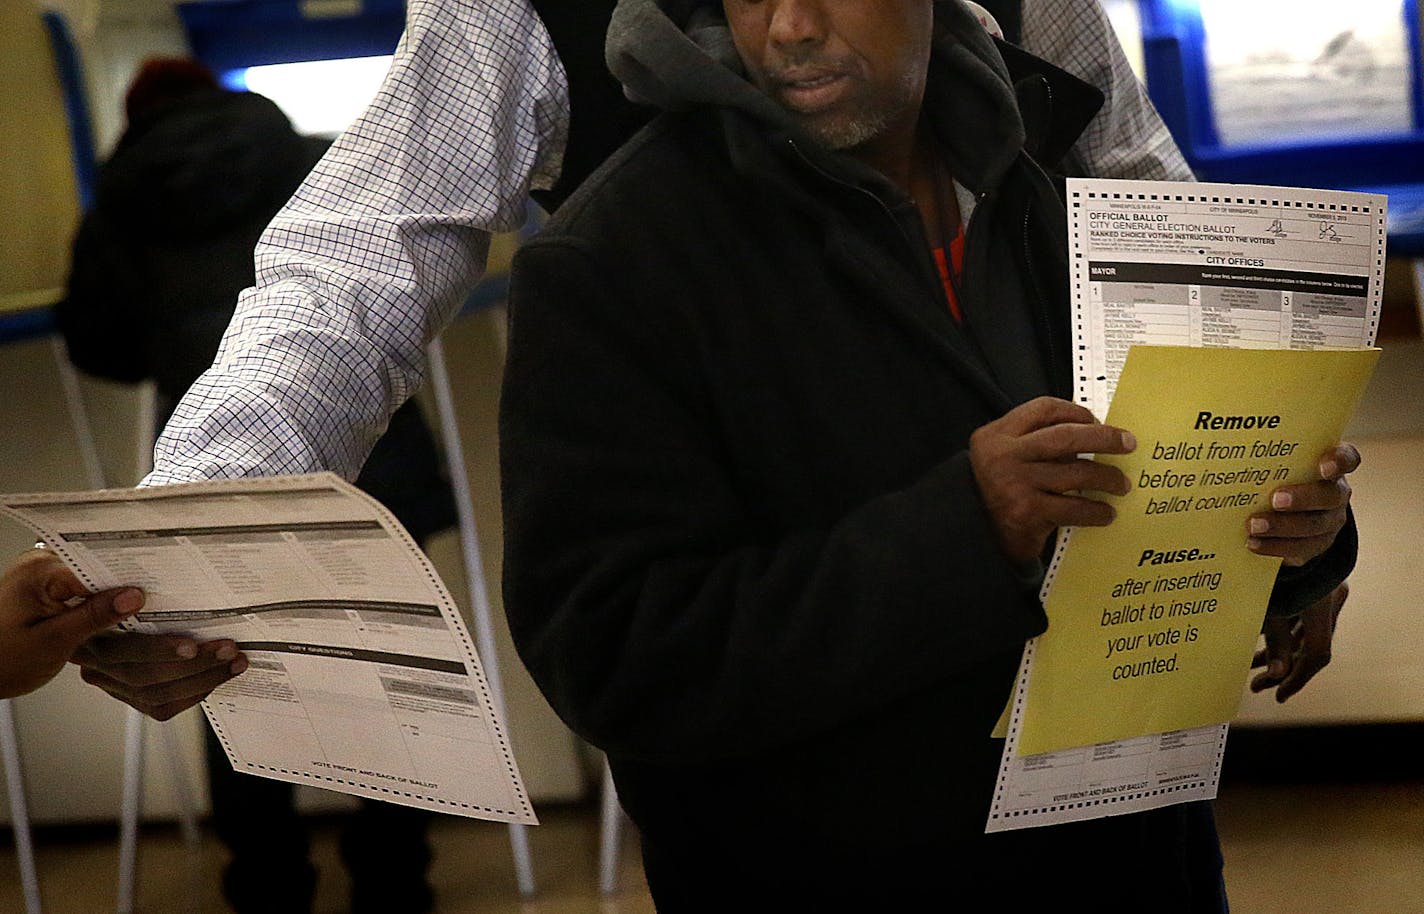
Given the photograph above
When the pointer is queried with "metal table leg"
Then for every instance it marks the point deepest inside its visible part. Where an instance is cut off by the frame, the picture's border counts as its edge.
(19, 810)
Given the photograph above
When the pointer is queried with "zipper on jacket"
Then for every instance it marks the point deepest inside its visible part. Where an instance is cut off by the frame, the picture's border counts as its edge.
(1040, 309)
(924, 261)
(980, 200)
(884, 207)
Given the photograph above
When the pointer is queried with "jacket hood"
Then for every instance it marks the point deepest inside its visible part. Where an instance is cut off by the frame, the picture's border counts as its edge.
(678, 54)
(202, 164)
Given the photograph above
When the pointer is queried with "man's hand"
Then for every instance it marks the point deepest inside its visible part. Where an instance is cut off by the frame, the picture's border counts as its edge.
(159, 675)
(1027, 463)
(45, 613)
(1307, 517)
(1297, 649)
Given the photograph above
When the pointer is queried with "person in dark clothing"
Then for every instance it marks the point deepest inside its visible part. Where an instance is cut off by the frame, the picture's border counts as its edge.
(778, 481)
(158, 263)
(159, 259)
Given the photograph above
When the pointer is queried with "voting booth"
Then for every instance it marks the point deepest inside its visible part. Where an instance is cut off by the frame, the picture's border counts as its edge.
(321, 61)
(238, 34)
(1306, 93)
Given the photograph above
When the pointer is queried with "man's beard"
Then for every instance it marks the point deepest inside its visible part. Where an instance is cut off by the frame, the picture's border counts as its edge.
(845, 133)
(860, 122)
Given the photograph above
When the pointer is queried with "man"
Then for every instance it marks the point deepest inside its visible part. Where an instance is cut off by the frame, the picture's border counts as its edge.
(784, 437)
(486, 102)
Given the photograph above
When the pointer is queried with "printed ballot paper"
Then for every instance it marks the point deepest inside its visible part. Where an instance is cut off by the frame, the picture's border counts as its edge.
(1229, 327)
(362, 677)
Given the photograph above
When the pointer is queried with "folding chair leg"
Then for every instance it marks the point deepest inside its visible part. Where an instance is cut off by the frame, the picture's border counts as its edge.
(187, 812)
(134, 725)
(475, 579)
(132, 802)
(1419, 291)
(609, 820)
(146, 422)
(78, 416)
(19, 811)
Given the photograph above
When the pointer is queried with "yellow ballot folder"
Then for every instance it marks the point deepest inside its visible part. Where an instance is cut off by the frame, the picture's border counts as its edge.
(1154, 618)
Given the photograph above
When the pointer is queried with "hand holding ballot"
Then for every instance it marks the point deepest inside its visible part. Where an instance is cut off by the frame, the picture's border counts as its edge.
(1298, 648)
(1026, 464)
(1306, 518)
(298, 611)
(45, 614)
(158, 675)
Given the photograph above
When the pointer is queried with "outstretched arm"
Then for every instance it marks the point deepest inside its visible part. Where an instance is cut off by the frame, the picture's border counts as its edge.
(377, 249)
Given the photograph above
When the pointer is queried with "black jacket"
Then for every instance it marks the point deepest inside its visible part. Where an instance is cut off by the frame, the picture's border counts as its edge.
(740, 526)
(744, 551)
(159, 260)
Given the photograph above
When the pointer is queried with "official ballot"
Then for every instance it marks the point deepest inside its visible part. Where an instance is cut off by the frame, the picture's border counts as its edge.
(361, 674)
(1230, 328)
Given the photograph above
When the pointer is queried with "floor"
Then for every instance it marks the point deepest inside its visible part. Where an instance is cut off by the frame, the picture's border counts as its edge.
(1336, 849)
(1290, 849)
(472, 870)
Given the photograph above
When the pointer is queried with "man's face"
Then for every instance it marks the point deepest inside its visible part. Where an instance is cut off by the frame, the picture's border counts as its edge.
(849, 70)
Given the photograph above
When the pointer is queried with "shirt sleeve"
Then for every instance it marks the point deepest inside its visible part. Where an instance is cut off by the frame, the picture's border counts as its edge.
(377, 249)
(1127, 139)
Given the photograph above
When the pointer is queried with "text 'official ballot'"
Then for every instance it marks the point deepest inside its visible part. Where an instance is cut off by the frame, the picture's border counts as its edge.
(1246, 314)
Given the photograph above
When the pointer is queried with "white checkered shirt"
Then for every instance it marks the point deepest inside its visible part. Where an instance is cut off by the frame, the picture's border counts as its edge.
(376, 251)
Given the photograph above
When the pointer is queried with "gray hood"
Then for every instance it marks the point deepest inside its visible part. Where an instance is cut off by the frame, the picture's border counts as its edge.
(678, 54)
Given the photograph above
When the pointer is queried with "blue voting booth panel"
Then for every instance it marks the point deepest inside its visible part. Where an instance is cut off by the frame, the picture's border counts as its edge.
(237, 34)
(76, 106)
(331, 54)
(1176, 70)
